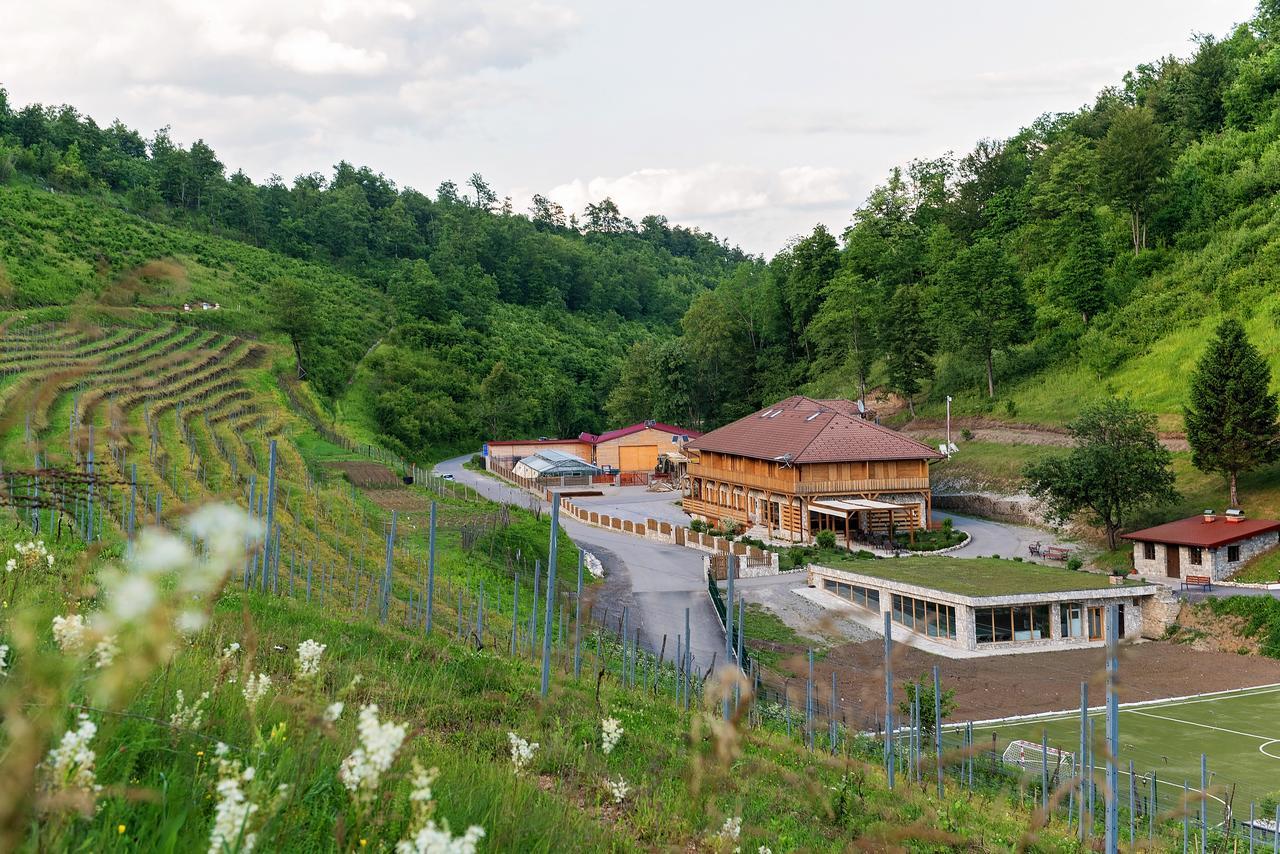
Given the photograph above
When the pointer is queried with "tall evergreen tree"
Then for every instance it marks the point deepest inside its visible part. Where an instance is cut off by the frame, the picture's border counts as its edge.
(1081, 276)
(908, 343)
(984, 308)
(1231, 415)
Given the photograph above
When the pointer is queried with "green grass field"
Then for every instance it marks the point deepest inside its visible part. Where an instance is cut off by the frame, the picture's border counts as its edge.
(977, 576)
(1239, 732)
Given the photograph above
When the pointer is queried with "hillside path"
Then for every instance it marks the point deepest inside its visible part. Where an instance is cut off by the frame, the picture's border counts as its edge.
(656, 581)
(996, 432)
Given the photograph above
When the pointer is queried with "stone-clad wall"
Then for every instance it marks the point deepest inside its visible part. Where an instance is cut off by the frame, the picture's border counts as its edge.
(1213, 563)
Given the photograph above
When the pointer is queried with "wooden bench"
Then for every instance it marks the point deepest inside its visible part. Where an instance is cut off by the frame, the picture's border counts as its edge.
(1204, 582)
(1057, 553)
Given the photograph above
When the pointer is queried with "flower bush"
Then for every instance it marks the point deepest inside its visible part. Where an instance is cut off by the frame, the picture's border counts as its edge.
(521, 751)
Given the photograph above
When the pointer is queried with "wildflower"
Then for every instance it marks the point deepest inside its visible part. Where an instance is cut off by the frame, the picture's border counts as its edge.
(231, 650)
(70, 633)
(189, 717)
(234, 810)
(732, 828)
(32, 554)
(309, 653)
(105, 651)
(362, 771)
(427, 837)
(521, 751)
(4, 658)
(610, 734)
(618, 789)
(71, 763)
(334, 712)
(120, 829)
(255, 688)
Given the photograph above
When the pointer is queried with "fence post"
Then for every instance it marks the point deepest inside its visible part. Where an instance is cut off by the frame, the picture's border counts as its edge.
(271, 508)
(577, 620)
(937, 724)
(888, 698)
(1113, 730)
(431, 564)
(551, 598)
(1080, 760)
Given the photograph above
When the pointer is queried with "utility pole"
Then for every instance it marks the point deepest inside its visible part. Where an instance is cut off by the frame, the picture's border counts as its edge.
(948, 425)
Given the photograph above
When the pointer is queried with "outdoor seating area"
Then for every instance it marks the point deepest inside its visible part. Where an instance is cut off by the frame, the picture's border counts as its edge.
(1204, 582)
(1038, 549)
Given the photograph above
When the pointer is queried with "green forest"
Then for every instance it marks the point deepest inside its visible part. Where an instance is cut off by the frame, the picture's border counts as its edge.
(1088, 254)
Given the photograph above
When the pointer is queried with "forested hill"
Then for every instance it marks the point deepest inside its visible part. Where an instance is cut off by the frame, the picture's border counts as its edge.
(1093, 251)
(486, 320)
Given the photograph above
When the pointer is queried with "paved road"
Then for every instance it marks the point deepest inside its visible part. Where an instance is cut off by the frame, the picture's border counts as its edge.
(1001, 538)
(656, 581)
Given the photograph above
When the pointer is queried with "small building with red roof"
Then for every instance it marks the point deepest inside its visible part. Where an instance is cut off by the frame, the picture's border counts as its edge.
(1210, 545)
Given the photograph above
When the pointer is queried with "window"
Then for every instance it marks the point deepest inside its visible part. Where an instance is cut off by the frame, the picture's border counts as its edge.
(1072, 619)
(1148, 551)
(928, 618)
(1233, 554)
(1017, 623)
(867, 597)
(1194, 554)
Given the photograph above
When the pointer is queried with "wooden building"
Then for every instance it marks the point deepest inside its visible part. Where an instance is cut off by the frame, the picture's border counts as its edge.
(507, 454)
(636, 448)
(804, 465)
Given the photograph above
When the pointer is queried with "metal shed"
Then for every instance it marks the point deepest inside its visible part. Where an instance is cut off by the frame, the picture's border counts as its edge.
(552, 463)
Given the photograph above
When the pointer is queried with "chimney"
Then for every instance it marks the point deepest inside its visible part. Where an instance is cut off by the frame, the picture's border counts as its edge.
(1235, 514)
(1209, 516)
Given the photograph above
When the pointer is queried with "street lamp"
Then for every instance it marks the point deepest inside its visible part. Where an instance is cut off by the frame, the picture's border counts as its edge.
(949, 446)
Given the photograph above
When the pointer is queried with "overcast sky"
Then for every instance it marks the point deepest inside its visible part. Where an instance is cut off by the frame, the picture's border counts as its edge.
(753, 120)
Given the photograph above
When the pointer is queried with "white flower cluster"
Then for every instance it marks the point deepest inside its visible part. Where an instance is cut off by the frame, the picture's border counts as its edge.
(618, 789)
(4, 658)
(188, 717)
(334, 711)
(105, 652)
(71, 763)
(255, 688)
(429, 838)
(70, 633)
(230, 651)
(521, 751)
(31, 555)
(234, 810)
(732, 828)
(610, 734)
(309, 652)
(362, 771)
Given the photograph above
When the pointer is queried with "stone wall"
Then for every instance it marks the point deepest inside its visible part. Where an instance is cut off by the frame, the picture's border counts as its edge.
(1213, 562)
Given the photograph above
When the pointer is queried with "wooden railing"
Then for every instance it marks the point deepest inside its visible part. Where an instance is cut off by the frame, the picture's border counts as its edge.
(876, 484)
(759, 481)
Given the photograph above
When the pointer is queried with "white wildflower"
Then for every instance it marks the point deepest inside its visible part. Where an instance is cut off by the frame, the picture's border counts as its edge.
(309, 652)
(234, 810)
(334, 712)
(105, 651)
(226, 530)
(732, 828)
(255, 688)
(521, 751)
(428, 837)
(11, 564)
(71, 764)
(188, 717)
(32, 554)
(362, 771)
(764, 849)
(70, 633)
(618, 789)
(610, 734)
(4, 658)
(231, 650)
(158, 552)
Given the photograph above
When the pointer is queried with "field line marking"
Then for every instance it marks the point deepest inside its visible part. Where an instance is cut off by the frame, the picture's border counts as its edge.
(1262, 738)
(1262, 748)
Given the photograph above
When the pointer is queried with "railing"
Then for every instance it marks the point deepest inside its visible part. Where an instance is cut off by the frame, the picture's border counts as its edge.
(874, 484)
(742, 478)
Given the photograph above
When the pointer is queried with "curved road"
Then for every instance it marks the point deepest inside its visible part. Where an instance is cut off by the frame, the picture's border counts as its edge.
(655, 581)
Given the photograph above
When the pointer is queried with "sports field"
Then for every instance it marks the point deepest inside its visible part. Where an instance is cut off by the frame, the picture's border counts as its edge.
(1239, 732)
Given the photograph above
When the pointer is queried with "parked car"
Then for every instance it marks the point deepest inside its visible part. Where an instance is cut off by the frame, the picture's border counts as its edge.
(446, 476)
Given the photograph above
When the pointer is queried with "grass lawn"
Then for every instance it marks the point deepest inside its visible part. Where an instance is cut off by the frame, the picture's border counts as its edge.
(1265, 568)
(764, 633)
(989, 465)
(977, 576)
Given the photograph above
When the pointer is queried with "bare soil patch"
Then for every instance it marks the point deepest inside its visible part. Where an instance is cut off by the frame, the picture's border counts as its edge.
(366, 475)
(401, 500)
(1201, 629)
(999, 686)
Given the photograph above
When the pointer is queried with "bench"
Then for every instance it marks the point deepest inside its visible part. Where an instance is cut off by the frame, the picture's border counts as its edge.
(1057, 553)
(1204, 582)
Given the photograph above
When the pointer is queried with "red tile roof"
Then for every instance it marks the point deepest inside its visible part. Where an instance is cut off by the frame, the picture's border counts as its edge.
(1197, 532)
(812, 431)
(636, 428)
(537, 442)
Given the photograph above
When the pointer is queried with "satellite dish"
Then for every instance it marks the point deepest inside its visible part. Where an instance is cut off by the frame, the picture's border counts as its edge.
(953, 448)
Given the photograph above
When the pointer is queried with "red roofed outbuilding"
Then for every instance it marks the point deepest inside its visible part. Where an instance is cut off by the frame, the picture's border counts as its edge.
(1211, 545)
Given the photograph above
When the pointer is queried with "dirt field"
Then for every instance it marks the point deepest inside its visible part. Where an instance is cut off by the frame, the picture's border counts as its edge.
(399, 499)
(1004, 685)
(367, 475)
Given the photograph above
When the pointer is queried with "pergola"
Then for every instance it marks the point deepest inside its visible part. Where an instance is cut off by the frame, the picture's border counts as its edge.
(845, 508)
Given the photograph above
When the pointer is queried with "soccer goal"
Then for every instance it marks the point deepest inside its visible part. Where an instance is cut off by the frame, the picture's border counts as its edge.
(1031, 756)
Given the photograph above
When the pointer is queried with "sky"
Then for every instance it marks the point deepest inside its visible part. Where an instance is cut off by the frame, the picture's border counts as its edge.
(751, 120)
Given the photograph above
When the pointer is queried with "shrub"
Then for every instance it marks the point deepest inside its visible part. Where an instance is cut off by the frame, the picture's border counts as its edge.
(826, 539)
(1074, 562)
(477, 460)
(966, 434)
(698, 526)
(1269, 803)
(947, 526)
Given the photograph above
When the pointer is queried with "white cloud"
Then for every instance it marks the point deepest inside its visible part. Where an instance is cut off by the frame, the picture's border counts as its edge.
(315, 52)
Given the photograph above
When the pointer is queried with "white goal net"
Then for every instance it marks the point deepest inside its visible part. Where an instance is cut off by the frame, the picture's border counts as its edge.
(1031, 756)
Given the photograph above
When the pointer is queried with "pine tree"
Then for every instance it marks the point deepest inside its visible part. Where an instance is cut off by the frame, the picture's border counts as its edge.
(1231, 416)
